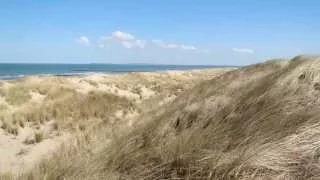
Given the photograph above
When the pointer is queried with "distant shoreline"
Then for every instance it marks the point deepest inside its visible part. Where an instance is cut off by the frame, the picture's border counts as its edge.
(17, 71)
(104, 73)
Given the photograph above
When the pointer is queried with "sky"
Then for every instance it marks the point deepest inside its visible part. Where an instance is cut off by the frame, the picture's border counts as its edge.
(213, 32)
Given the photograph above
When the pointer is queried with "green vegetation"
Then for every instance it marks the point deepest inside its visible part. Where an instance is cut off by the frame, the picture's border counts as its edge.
(38, 136)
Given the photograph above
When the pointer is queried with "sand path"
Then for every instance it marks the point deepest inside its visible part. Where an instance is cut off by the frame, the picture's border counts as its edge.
(18, 156)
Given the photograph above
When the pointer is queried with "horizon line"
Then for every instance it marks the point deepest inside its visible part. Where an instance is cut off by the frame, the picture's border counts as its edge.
(99, 63)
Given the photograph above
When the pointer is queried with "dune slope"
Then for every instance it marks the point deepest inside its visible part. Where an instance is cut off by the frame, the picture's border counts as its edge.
(258, 122)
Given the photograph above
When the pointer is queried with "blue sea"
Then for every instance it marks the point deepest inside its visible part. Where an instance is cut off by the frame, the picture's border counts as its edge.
(13, 71)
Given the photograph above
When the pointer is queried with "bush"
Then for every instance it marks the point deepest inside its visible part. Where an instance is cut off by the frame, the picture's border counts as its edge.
(13, 130)
(4, 125)
(38, 136)
(21, 123)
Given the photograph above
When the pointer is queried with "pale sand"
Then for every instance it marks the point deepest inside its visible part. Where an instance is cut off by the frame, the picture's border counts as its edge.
(17, 156)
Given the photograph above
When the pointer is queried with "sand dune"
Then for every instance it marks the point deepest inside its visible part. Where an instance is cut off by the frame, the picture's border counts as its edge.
(255, 122)
(38, 114)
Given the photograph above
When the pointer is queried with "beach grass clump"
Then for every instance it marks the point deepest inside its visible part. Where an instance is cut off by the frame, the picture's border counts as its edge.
(10, 128)
(43, 90)
(59, 92)
(137, 90)
(22, 123)
(55, 126)
(13, 129)
(17, 94)
(4, 125)
(38, 136)
(82, 127)
(92, 83)
(71, 108)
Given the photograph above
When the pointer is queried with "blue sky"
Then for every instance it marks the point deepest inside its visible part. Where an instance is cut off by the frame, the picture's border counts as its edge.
(220, 32)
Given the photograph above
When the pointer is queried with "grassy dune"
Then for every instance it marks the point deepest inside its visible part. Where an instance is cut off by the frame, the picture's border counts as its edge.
(88, 110)
(256, 122)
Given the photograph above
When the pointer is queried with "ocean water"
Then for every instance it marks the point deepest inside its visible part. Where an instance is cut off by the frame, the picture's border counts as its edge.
(13, 71)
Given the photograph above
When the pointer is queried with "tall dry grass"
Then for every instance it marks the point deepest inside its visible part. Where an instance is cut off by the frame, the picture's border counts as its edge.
(258, 122)
(62, 104)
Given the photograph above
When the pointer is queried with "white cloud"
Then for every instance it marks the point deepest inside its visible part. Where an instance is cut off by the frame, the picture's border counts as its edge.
(132, 44)
(127, 44)
(123, 36)
(140, 43)
(173, 46)
(162, 44)
(129, 41)
(243, 50)
(159, 43)
(188, 47)
(83, 40)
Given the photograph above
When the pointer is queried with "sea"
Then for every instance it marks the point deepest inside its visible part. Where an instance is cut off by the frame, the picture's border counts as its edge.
(17, 70)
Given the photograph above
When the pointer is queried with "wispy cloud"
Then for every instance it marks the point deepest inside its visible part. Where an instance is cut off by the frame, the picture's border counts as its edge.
(123, 36)
(83, 40)
(173, 46)
(127, 40)
(127, 44)
(243, 50)
(188, 47)
(163, 44)
(136, 43)
(140, 43)
(159, 43)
